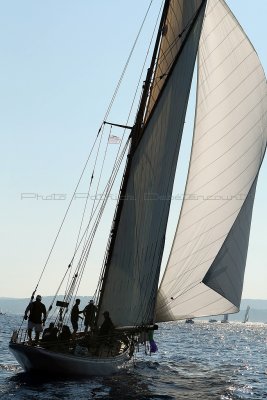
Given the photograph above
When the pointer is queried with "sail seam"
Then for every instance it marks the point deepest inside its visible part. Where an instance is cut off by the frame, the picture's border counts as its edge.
(228, 132)
(246, 151)
(227, 76)
(212, 195)
(200, 170)
(228, 95)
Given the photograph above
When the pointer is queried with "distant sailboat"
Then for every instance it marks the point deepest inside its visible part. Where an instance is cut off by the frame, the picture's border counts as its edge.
(225, 319)
(205, 270)
(246, 315)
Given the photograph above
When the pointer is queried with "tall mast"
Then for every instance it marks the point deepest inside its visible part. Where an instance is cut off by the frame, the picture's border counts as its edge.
(135, 135)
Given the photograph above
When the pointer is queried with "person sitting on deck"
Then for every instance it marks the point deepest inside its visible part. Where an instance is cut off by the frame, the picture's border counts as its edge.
(105, 333)
(50, 333)
(107, 326)
(89, 313)
(37, 310)
(65, 334)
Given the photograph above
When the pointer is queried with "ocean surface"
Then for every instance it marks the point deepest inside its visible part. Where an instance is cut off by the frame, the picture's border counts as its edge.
(201, 361)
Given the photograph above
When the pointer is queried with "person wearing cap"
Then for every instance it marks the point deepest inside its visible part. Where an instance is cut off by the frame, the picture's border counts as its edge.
(89, 313)
(107, 326)
(37, 317)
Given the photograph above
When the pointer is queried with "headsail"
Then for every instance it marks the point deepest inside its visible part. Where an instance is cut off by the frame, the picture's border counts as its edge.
(205, 270)
(132, 273)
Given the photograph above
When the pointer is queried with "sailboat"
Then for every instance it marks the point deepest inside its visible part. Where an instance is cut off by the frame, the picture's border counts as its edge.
(225, 319)
(246, 315)
(205, 269)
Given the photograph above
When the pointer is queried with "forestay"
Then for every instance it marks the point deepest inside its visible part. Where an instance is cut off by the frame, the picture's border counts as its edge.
(205, 270)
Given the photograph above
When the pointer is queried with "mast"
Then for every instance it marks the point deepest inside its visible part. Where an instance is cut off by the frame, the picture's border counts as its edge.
(135, 135)
(133, 257)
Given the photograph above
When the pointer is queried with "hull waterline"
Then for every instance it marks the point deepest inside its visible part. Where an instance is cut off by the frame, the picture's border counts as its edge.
(39, 359)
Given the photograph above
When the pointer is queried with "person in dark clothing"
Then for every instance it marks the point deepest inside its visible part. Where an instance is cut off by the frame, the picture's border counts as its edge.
(89, 313)
(50, 333)
(107, 326)
(37, 311)
(65, 334)
(74, 317)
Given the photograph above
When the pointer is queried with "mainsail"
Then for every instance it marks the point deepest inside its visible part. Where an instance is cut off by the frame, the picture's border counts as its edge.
(205, 270)
(179, 17)
(131, 276)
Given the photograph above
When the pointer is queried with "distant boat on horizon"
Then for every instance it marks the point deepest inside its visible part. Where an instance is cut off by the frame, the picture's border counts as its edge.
(225, 319)
(189, 321)
(246, 315)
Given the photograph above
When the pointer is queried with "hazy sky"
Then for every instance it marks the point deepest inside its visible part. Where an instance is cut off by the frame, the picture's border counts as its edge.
(60, 63)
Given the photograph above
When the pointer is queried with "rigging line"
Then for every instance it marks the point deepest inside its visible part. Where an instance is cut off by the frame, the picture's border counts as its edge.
(108, 185)
(99, 180)
(139, 78)
(87, 197)
(54, 298)
(87, 249)
(66, 212)
(180, 51)
(131, 108)
(106, 115)
(150, 44)
(85, 253)
(82, 257)
(127, 63)
(175, 41)
(135, 95)
(162, 57)
(90, 185)
(137, 84)
(86, 201)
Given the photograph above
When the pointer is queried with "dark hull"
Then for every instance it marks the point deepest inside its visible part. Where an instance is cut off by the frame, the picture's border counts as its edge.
(38, 359)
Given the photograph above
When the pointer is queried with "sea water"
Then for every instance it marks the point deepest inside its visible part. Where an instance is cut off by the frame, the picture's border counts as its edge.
(201, 361)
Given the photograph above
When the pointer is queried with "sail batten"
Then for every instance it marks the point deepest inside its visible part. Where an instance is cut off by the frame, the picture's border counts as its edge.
(209, 251)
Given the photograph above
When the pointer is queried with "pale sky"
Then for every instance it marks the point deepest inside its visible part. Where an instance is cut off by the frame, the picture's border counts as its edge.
(60, 62)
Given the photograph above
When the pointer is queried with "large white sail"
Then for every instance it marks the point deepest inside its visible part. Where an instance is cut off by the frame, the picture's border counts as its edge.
(131, 278)
(205, 270)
